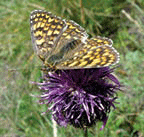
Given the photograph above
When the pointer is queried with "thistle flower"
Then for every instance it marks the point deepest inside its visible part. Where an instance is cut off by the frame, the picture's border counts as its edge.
(79, 97)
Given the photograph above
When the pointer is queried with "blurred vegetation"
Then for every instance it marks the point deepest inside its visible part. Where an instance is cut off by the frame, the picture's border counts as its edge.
(120, 20)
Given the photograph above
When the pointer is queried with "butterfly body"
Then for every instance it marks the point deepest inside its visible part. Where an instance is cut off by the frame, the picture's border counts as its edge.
(64, 44)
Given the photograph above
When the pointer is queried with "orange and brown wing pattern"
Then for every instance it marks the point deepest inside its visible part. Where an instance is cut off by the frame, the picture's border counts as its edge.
(46, 29)
(63, 44)
(73, 32)
(100, 41)
(92, 57)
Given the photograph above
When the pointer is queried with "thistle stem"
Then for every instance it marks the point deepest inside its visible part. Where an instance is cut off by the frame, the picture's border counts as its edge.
(54, 128)
(85, 132)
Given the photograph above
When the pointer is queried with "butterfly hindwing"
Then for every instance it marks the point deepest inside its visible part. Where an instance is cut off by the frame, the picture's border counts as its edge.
(91, 56)
(100, 41)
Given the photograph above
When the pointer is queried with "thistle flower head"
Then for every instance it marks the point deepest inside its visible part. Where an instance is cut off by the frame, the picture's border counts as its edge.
(80, 97)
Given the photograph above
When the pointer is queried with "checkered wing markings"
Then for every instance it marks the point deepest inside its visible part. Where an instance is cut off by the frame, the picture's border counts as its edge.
(46, 29)
(100, 41)
(74, 32)
(94, 57)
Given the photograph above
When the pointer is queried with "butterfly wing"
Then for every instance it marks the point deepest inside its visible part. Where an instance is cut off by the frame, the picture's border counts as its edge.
(68, 42)
(99, 41)
(73, 32)
(46, 29)
(91, 55)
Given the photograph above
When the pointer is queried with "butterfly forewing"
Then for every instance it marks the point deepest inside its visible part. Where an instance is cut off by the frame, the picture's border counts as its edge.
(46, 29)
(73, 32)
(69, 41)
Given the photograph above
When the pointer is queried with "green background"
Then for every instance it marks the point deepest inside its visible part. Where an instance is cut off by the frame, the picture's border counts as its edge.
(120, 20)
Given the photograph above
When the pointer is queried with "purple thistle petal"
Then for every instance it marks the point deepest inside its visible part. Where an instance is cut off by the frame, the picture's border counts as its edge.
(80, 97)
(104, 120)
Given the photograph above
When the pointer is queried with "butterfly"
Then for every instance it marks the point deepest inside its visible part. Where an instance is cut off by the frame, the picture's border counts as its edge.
(63, 44)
